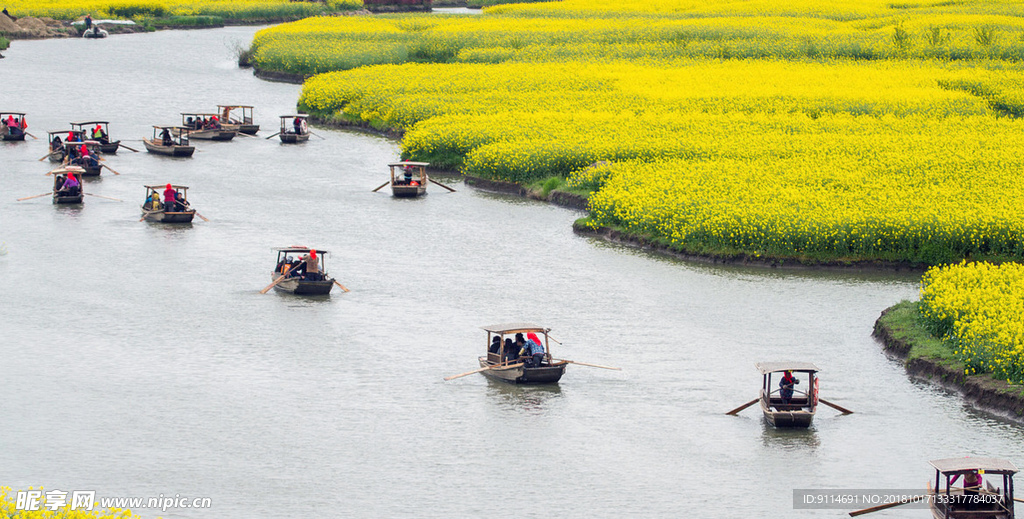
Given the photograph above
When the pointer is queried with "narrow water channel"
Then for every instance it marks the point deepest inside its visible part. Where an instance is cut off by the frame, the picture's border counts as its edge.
(139, 360)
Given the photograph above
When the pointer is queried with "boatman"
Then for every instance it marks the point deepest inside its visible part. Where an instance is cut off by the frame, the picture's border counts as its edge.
(786, 386)
(312, 270)
(533, 351)
(170, 196)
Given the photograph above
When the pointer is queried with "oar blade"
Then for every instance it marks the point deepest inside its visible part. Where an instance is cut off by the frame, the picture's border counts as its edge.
(742, 407)
(380, 186)
(841, 409)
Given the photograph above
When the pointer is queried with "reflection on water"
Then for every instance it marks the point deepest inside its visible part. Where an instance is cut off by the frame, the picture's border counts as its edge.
(534, 399)
(789, 439)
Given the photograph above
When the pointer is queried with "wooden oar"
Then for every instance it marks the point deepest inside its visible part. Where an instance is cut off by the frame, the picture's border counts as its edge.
(278, 280)
(742, 407)
(36, 196)
(205, 219)
(318, 135)
(901, 502)
(483, 369)
(130, 149)
(834, 406)
(45, 156)
(340, 285)
(101, 196)
(382, 185)
(442, 185)
(591, 365)
(30, 135)
(274, 135)
(110, 168)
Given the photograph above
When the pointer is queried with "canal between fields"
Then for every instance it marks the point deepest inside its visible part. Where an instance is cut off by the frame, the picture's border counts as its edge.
(140, 360)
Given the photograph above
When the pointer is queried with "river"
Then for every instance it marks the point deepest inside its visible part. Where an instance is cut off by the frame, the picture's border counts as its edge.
(141, 360)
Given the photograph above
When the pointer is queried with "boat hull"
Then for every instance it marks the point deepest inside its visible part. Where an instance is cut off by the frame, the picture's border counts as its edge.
(402, 191)
(303, 287)
(799, 417)
(171, 151)
(8, 137)
(292, 138)
(110, 147)
(211, 135)
(524, 375)
(172, 217)
(57, 156)
(68, 199)
(248, 129)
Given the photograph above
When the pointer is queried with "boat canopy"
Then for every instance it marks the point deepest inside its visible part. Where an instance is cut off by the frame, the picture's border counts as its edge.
(86, 123)
(507, 328)
(68, 169)
(773, 367)
(171, 127)
(299, 248)
(12, 113)
(234, 106)
(204, 114)
(164, 186)
(987, 465)
(290, 116)
(395, 164)
(58, 132)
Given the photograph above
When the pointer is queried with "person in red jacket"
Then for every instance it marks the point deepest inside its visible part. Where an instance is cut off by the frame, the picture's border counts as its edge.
(170, 195)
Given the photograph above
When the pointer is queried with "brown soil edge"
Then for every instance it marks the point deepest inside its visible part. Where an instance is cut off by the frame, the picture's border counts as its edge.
(559, 198)
(980, 391)
(650, 244)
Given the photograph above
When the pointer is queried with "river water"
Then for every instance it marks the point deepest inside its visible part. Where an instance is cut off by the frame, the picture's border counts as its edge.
(141, 360)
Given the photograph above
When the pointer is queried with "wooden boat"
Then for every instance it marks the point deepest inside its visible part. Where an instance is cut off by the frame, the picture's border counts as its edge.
(509, 369)
(411, 182)
(57, 140)
(244, 124)
(16, 133)
(106, 145)
(63, 197)
(158, 212)
(797, 411)
(179, 142)
(955, 499)
(90, 165)
(292, 133)
(297, 281)
(197, 130)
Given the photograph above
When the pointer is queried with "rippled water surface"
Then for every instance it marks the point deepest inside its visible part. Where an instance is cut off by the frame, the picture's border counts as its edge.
(139, 359)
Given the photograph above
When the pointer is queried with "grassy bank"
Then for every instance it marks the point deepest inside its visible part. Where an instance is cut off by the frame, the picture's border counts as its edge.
(4, 43)
(906, 334)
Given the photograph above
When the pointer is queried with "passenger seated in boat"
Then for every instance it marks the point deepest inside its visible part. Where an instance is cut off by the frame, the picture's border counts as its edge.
(297, 123)
(58, 183)
(100, 135)
(72, 137)
(786, 387)
(56, 144)
(71, 185)
(511, 352)
(152, 202)
(495, 344)
(214, 123)
(180, 201)
(165, 137)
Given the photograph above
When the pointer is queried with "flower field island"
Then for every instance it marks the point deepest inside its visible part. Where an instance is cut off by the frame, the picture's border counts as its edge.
(146, 11)
(821, 133)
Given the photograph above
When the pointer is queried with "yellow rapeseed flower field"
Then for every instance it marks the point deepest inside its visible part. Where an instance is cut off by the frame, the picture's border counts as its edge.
(232, 9)
(979, 307)
(851, 130)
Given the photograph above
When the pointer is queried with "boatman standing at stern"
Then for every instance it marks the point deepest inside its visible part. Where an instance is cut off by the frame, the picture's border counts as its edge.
(169, 198)
(786, 386)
